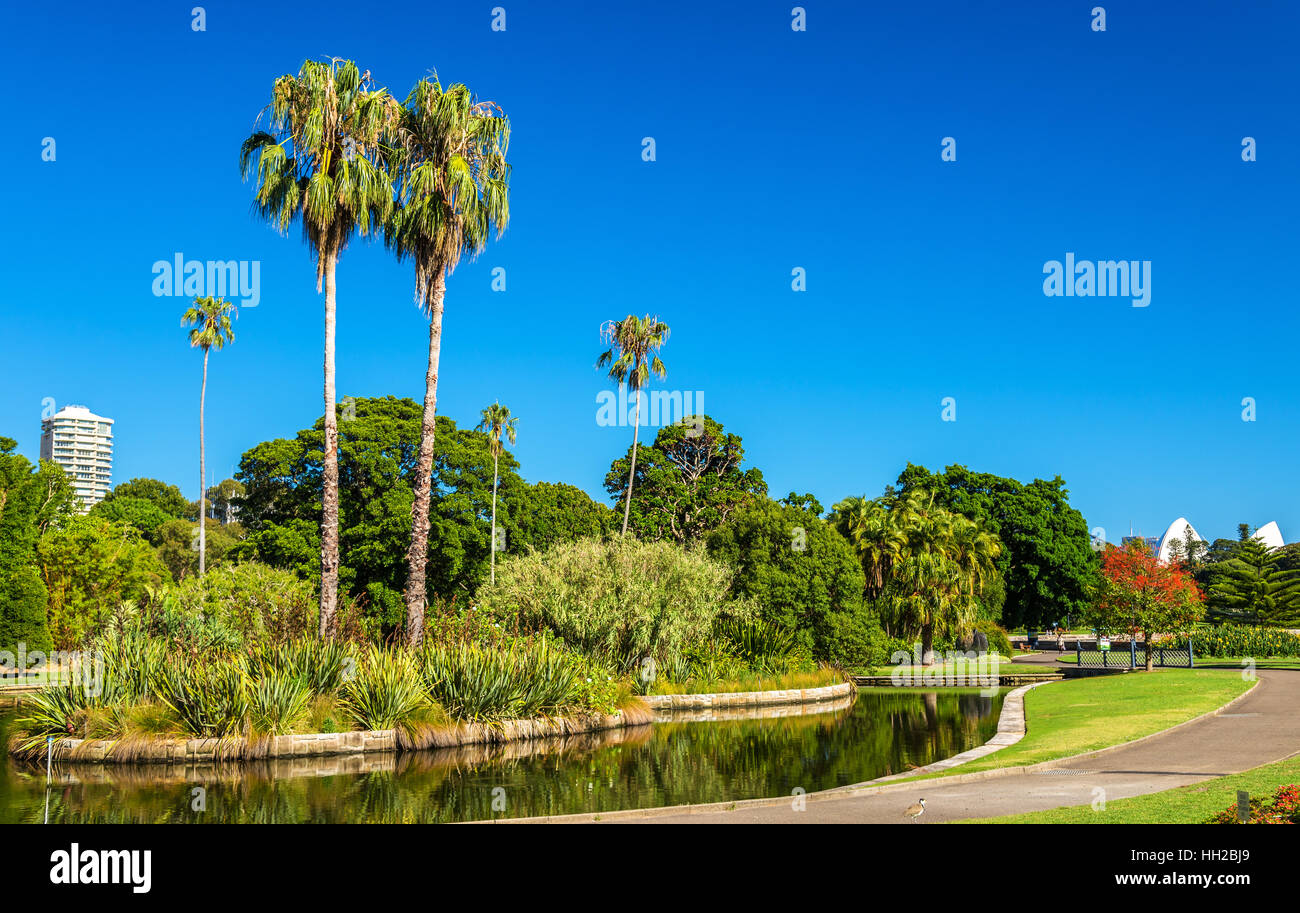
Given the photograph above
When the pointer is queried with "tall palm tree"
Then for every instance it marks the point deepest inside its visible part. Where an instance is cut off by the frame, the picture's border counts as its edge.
(210, 319)
(633, 342)
(454, 183)
(496, 421)
(323, 160)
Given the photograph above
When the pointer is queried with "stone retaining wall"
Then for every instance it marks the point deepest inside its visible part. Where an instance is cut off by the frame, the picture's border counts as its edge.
(747, 698)
(325, 744)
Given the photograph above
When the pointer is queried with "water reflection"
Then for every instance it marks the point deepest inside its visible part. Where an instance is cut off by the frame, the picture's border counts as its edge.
(882, 732)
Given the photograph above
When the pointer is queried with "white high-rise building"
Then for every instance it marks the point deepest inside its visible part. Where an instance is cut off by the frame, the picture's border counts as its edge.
(82, 443)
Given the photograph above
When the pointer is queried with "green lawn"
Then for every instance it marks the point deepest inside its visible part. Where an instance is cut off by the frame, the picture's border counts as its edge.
(1184, 805)
(1079, 715)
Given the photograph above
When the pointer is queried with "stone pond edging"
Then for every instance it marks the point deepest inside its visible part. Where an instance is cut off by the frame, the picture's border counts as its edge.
(324, 744)
(747, 698)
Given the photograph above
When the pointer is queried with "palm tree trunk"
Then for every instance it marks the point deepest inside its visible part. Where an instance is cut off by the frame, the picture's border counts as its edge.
(418, 555)
(329, 540)
(636, 433)
(203, 472)
(496, 460)
(927, 644)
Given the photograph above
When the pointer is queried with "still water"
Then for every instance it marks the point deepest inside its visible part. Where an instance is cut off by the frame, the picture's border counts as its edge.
(880, 732)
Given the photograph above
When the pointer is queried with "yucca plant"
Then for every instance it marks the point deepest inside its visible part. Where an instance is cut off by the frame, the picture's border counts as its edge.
(277, 703)
(386, 691)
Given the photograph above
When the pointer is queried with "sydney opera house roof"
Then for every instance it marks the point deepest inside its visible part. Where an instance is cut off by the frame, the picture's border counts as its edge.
(1178, 531)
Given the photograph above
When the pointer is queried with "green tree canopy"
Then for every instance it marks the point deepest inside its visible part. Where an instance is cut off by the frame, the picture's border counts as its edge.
(167, 498)
(1048, 565)
(803, 575)
(89, 567)
(33, 499)
(1255, 586)
(378, 455)
(690, 482)
(145, 515)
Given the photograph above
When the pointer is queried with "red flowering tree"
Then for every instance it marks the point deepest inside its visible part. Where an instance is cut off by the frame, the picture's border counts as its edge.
(1140, 594)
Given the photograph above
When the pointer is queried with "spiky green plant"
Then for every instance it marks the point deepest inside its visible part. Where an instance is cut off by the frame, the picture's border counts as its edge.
(277, 703)
(385, 692)
(483, 683)
(210, 698)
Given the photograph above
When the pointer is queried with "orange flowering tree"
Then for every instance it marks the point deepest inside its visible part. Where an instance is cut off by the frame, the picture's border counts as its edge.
(1142, 595)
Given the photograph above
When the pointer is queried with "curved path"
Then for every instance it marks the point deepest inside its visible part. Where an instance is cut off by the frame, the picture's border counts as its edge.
(1260, 727)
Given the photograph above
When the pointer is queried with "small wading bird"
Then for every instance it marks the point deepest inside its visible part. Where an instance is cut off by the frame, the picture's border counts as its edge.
(915, 811)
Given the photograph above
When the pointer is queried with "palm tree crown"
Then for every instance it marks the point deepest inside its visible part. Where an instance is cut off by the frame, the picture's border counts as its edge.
(324, 157)
(631, 357)
(496, 422)
(210, 319)
(453, 181)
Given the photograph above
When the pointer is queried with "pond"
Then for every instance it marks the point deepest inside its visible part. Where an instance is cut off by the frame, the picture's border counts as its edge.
(881, 732)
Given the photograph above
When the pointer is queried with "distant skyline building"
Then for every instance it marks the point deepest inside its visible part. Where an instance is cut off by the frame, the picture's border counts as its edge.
(82, 443)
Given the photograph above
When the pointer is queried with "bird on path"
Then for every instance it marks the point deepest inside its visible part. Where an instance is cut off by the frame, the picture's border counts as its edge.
(915, 811)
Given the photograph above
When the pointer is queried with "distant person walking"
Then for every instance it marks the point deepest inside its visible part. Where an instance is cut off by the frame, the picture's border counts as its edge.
(1060, 639)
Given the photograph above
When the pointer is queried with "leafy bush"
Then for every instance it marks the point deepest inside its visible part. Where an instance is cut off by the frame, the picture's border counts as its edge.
(617, 601)
(803, 575)
(1243, 640)
(999, 642)
(255, 600)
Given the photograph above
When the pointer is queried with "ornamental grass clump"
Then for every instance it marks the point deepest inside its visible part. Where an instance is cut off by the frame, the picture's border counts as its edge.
(385, 692)
(474, 682)
(209, 697)
(277, 703)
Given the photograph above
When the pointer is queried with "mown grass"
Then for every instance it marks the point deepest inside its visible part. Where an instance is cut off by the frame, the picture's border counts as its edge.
(1080, 715)
(1192, 804)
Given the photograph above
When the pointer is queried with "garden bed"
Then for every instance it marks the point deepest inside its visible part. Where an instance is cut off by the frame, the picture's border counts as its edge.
(322, 744)
(640, 712)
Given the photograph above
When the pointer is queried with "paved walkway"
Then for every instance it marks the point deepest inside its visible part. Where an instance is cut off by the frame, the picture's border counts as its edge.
(1261, 727)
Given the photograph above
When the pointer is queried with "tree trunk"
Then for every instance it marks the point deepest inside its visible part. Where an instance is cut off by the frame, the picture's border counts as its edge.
(496, 462)
(203, 472)
(418, 554)
(329, 539)
(927, 645)
(631, 474)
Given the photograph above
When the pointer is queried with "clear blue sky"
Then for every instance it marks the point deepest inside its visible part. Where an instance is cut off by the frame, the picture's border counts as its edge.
(775, 150)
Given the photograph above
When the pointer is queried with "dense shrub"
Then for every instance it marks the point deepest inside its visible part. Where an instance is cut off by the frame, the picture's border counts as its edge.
(616, 601)
(1243, 640)
(255, 600)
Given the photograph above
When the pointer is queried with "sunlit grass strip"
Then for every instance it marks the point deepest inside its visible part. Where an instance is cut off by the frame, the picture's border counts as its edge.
(1193, 804)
